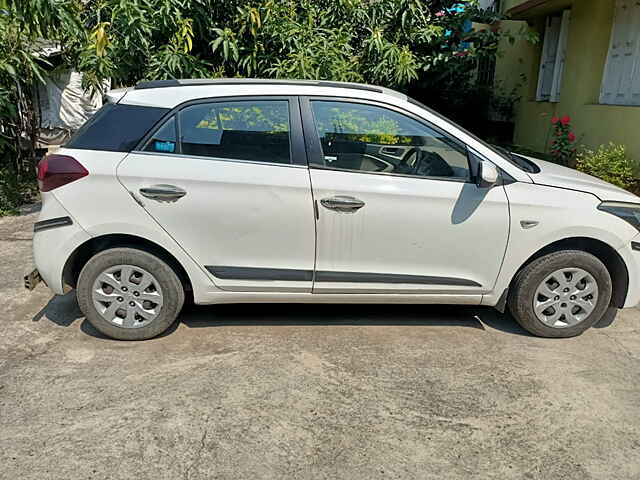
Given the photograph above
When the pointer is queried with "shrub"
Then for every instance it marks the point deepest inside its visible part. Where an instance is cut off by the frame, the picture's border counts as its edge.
(15, 191)
(610, 163)
(562, 148)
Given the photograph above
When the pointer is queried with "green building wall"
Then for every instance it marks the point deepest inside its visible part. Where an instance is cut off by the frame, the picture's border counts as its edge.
(587, 47)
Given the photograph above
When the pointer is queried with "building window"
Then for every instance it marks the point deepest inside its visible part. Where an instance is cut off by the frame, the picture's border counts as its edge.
(493, 5)
(554, 51)
(621, 80)
(486, 71)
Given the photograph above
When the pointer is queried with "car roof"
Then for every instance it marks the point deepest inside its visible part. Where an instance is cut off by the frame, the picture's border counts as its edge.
(170, 93)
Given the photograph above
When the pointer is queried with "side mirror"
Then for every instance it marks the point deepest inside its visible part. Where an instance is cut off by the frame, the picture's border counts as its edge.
(487, 174)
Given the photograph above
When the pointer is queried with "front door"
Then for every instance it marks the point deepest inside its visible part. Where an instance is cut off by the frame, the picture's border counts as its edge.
(397, 211)
(228, 180)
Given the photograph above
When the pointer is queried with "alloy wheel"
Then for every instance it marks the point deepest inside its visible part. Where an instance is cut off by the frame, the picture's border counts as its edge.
(565, 298)
(127, 296)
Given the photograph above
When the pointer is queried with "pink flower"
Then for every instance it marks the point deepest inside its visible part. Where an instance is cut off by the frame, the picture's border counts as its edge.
(555, 120)
(565, 120)
(440, 13)
(571, 137)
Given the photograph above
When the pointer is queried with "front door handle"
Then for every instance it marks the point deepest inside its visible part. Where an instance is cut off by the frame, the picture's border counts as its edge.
(342, 203)
(163, 192)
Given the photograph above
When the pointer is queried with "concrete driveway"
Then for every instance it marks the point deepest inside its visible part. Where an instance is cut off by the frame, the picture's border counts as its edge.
(286, 391)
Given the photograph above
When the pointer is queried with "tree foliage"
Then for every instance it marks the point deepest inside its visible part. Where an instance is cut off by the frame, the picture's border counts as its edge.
(388, 42)
(410, 45)
(22, 28)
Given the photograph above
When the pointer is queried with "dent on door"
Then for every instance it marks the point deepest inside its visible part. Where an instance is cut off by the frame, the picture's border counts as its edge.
(409, 235)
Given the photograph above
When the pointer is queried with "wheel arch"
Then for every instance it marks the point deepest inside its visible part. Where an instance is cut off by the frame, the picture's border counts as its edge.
(599, 249)
(81, 255)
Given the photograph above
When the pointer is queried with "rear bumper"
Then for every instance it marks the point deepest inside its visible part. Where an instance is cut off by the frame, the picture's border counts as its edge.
(55, 243)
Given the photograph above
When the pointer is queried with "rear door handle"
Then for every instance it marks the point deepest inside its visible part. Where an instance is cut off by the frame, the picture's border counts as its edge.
(342, 203)
(163, 192)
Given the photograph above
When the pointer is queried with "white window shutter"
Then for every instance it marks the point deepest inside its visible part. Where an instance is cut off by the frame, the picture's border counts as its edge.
(613, 67)
(635, 82)
(634, 94)
(548, 59)
(621, 79)
(627, 53)
(558, 69)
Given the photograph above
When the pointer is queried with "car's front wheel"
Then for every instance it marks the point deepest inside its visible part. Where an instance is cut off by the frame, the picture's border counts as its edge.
(129, 294)
(561, 294)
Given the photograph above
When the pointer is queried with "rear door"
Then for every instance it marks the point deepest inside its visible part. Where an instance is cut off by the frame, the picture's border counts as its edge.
(228, 180)
(398, 208)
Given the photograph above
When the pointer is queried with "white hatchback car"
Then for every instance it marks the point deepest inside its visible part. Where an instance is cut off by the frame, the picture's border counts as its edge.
(312, 191)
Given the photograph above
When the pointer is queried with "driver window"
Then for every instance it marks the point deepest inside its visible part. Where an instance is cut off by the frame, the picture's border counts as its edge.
(372, 139)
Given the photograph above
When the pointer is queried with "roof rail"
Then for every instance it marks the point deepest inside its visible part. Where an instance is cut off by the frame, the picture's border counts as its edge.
(250, 81)
(156, 84)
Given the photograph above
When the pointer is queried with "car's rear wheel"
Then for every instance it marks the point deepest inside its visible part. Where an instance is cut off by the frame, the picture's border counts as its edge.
(561, 294)
(129, 294)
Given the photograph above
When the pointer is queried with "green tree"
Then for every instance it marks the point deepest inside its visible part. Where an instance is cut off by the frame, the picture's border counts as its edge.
(388, 42)
(421, 46)
(23, 26)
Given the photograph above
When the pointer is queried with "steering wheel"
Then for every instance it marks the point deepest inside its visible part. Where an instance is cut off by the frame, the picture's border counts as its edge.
(404, 167)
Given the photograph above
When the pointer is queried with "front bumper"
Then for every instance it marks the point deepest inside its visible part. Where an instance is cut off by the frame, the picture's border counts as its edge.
(631, 259)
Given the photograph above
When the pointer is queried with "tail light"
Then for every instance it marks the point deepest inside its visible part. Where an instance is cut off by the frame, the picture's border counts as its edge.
(57, 170)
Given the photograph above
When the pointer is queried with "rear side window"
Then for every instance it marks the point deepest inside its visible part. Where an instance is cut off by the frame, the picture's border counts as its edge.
(254, 130)
(116, 128)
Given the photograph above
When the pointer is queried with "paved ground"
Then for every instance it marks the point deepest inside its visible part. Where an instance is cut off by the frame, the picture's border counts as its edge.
(309, 392)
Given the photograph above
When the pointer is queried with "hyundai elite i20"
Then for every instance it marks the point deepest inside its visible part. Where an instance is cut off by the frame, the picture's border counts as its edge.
(309, 191)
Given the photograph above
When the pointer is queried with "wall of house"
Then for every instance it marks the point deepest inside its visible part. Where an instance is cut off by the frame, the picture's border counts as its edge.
(587, 47)
(514, 69)
(509, 4)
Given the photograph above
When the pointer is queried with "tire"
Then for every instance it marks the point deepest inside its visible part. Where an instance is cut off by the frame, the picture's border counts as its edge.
(143, 318)
(541, 273)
